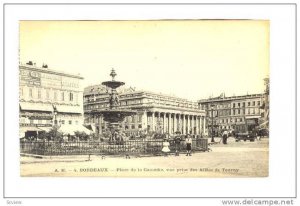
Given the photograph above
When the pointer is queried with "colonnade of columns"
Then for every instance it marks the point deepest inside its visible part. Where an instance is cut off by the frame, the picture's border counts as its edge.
(165, 122)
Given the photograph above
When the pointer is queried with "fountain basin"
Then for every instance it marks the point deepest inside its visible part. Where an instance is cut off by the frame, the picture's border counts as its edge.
(115, 115)
(113, 84)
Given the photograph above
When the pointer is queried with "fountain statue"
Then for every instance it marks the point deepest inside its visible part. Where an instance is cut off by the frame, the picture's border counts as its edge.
(114, 115)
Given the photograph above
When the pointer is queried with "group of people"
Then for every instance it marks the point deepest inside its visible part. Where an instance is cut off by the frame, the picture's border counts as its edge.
(188, 143)
(117, 138)
(177, 140)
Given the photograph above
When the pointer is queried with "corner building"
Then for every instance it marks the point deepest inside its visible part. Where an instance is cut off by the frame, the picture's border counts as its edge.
(235, 112)
(156, 112)
(47, 98)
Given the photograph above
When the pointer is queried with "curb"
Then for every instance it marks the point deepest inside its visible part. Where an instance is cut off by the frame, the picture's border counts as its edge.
(35, 156)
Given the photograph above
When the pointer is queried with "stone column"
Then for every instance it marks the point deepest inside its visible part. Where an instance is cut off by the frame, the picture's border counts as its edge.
(169, 124)
(175, 123)
(158, 121)
(188, 123)
(197, 125)
(144, 120)
(192, 124)
(184, 124)
(200, 124)
(153, 117)
(165, 123)
(204, 125)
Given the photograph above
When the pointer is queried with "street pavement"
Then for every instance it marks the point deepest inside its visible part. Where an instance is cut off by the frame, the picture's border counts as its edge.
(236, 159)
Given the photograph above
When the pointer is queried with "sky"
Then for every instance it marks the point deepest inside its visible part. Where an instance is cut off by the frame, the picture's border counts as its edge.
(192, 59)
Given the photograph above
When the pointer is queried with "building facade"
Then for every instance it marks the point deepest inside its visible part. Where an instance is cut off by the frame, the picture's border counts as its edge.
(236, 112)
(267, 101)
(46, 98)
(155, 112)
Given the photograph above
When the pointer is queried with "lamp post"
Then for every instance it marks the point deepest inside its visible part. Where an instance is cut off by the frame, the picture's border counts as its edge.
(55, 123)
(233, 123)
(55, 114)
(212, 123)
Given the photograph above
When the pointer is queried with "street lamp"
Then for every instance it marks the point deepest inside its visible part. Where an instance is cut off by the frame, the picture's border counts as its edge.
(212, 123)
(233, 123)
(55, 114)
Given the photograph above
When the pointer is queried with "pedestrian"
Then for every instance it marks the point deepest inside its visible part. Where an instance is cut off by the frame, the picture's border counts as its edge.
(188, 142)
(166, 148)
(225, 136)
(259, 133)
(177, 145)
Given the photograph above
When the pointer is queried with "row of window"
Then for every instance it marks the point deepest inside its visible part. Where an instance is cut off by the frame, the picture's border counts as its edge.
(234, 105)
(229, 121)
(65, 122)
(129, 119)
(132, 119)
(139, 101)
(38, 93)
(253, 103)
(224, 112)
(123, 103)
(234, 112)
(126, 127)
(246, 111)
(42, 121)
(35, 121)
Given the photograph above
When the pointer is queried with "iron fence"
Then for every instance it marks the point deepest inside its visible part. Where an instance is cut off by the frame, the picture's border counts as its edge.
(129, 147)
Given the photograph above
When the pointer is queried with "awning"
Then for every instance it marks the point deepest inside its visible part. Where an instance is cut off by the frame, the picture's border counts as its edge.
(90, 127)
(252, 117)
(36, 106)
(21, 134)
(71, 129)
(69, 109)
(93, 127)
(37, 114)
(46, 129)
(263, 125)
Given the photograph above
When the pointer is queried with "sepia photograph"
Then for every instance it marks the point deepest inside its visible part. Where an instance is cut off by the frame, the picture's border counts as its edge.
(147, 98)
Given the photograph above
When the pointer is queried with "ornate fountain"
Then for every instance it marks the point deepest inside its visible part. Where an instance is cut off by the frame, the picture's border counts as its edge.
(114, 115)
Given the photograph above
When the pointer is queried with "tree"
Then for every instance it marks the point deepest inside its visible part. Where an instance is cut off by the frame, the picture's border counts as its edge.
(42, 135)
(94, 137)
(54, 134)
(81, 135)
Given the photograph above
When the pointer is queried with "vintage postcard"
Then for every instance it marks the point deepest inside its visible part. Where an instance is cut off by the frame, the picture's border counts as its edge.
(149, 98)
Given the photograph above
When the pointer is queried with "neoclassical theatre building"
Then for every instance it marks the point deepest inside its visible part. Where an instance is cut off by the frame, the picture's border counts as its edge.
(155, 112)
